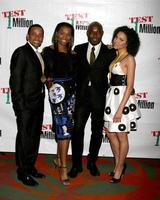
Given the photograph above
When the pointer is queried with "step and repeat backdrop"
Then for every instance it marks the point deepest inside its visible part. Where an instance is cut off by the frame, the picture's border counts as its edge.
(143, 16)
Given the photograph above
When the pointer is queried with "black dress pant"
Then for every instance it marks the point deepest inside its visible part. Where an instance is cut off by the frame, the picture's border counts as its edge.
(95, 110)
(29, 125)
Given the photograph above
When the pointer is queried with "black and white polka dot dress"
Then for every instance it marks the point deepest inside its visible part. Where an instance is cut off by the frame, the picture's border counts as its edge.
(114, 96)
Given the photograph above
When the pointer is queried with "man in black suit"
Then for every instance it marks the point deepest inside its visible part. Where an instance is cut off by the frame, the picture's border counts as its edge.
(27, 92)
(92, 85)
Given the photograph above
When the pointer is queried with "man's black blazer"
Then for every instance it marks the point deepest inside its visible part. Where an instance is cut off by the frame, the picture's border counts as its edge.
(25, 80)
(97, 72)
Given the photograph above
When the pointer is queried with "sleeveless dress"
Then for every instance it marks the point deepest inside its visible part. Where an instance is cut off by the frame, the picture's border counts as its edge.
(115, 93)
(61, 67)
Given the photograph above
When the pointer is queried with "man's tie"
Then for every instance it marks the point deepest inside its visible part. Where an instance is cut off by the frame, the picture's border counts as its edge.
(92, 56)
(43, 78)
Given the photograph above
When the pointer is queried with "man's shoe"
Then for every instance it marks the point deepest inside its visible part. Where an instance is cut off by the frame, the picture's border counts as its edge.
(36, 174)
(27, 180)
(74, 172)
(93, 169)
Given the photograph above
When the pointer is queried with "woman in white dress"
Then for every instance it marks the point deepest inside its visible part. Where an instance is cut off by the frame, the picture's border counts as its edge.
(121, 110)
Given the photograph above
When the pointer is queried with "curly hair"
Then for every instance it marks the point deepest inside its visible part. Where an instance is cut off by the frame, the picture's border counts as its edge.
(133, 41)
(54, 37)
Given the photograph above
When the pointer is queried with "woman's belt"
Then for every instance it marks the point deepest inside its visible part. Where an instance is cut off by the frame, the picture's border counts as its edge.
(67, 82)
(118, 80)
(64, 79)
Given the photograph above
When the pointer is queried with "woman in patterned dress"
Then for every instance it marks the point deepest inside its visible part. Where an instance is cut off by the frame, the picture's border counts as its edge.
(121, 110)
(60, 69)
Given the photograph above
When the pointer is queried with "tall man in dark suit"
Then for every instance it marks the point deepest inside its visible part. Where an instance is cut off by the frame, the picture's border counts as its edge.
(92, 85)
(27, 92)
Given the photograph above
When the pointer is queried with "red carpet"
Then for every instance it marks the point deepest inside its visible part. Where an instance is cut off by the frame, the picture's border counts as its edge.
(141, 181)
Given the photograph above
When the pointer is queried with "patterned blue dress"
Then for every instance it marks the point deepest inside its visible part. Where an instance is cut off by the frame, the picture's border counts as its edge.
(61, 67)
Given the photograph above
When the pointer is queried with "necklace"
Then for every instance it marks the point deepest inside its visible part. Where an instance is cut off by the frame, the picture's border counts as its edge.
(118, 57)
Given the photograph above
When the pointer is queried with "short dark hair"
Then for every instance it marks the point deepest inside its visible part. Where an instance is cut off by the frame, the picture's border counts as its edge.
(33, 26)
(95, 23)
(133, 41)
(54, 37)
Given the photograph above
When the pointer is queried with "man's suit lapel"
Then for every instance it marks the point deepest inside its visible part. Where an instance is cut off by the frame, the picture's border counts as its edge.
(84, 53)
(100, 53)
(35, 58)
(32, 52)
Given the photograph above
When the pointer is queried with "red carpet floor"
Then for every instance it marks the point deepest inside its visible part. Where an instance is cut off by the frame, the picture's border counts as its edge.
(141, 181)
